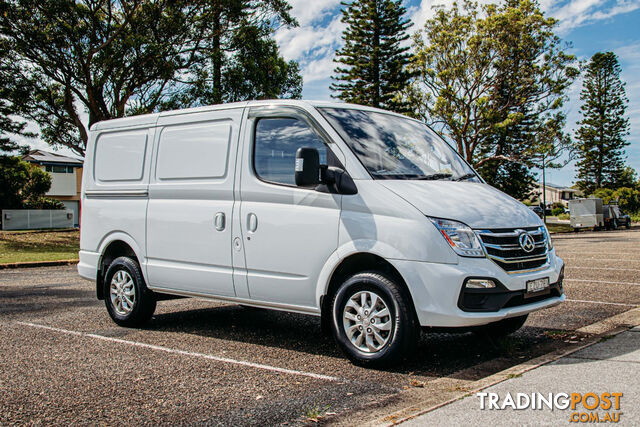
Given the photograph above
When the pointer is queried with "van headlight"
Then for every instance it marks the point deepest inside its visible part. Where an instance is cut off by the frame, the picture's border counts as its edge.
(460, 236)
(547, 236)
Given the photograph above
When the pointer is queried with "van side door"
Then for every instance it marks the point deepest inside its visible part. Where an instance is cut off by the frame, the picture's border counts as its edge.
(288, 232)
(191, 199)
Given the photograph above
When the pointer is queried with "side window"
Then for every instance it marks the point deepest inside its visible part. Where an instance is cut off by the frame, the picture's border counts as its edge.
(276, 143)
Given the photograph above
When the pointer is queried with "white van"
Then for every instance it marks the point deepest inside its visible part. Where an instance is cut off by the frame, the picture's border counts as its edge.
(364, 217)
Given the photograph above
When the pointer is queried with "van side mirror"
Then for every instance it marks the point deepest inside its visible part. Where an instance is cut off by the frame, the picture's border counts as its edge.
(307, 169)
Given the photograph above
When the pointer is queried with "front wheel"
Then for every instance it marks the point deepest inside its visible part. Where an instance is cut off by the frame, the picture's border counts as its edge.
(502, 327)
(373, 320)
(127, 298)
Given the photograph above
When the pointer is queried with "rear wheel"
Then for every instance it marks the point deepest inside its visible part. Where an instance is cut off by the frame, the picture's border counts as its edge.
(373, 320)
(502, 328)
(127, 298)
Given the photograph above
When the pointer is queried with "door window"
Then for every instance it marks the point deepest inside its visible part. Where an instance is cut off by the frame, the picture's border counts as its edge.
(276, 143)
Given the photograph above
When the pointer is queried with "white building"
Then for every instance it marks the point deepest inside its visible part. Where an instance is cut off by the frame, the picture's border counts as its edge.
(66, 177)
(555, 193)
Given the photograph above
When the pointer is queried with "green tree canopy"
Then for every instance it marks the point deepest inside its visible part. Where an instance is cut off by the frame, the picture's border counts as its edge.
(111, 58)
(494, 81)
(22, 184)
(372, 66)
(603, 128)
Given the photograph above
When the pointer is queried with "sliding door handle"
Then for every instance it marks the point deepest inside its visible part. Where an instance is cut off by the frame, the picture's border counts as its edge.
(252, 222)
(219, 221)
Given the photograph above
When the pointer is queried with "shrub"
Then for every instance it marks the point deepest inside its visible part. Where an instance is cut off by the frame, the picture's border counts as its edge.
(628, 198)
(557, 211)
(43, 203)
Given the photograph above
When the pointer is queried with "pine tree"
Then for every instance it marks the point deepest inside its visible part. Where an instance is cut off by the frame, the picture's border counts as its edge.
(373, 62)
(602, 131)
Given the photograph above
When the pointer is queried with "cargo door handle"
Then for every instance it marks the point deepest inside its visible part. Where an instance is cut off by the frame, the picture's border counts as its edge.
(219, 221)
(252, 222)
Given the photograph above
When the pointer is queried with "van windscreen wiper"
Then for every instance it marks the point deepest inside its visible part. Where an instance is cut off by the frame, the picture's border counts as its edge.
(465, 176)
(433, 177)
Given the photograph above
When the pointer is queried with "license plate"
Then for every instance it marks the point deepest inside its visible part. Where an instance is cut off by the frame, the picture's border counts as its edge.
(537, 286)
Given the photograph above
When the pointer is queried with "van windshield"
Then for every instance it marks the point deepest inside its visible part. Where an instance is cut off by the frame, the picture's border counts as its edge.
(393, 147)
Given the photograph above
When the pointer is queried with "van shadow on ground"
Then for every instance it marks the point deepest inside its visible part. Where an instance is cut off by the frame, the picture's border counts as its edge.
(438, 354)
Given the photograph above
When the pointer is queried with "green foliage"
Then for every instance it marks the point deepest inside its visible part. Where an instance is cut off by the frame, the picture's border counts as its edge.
(513, 178)
(255, 70)
(628, 198)
(113, 58)
(629, 178)
(603, 128)
(21, 182)
(372, 66)
(43, 203)
(494, 81)
(557, 211)
(8, 89)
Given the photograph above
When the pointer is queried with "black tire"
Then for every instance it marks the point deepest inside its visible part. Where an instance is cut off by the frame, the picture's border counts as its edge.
(403, 334)
(502, 328)
(144, 302)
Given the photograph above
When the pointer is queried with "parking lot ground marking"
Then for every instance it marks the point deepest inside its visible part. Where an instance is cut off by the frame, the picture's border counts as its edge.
(600, 268)
(602, 281)
(184, 353)
(601, 302)
(598, 259)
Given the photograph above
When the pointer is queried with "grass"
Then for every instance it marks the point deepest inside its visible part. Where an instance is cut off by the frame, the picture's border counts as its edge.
(31, 246)
(315, 413)
(559, 228)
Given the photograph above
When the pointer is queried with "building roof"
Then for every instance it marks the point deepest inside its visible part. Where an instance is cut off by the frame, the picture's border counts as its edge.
(46, 158)
(558, 187)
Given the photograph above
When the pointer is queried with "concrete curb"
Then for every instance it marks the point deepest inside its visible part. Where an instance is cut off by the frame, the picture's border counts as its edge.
(37, 264)
(396, 409)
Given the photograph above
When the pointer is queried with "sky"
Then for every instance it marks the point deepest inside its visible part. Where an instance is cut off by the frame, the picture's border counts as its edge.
(588, 25)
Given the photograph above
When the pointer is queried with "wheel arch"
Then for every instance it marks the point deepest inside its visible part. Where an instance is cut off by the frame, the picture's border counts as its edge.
(357, 262)
(116, 245)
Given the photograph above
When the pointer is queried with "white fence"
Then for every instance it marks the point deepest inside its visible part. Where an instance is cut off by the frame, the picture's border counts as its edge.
(30, 219)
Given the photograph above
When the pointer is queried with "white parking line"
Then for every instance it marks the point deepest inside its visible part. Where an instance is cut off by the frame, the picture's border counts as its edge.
(184, 353)
(602, 281)
(599, 259)
(600, 268)
(574, 253)
(601, 302)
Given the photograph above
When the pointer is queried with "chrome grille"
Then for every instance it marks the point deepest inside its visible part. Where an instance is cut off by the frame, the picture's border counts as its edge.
(503, 248)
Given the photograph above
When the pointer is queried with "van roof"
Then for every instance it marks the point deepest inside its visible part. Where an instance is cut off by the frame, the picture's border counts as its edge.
(151, 119)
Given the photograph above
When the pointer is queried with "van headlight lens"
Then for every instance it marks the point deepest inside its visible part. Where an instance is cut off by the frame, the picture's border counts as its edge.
(460, 236)
(547, 236)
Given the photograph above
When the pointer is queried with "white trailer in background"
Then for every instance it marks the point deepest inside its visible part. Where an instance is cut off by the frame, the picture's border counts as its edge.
(586, 213)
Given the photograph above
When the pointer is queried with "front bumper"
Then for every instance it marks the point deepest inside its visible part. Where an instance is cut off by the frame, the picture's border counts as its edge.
(437, 291)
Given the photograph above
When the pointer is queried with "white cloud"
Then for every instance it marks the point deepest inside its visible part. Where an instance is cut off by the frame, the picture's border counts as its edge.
(307, 12)
(314, 42)
(577, 13)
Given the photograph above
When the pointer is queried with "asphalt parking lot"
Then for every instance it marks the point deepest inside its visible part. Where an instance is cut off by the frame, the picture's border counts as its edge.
(64, 361)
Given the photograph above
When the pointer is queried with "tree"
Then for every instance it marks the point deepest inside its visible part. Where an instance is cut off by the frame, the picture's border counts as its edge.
(8, 89)
(373, 62)
(494, 81)
(627, 198)
(110, 58)
(629, 178)
(252, 69)
(603, 128)
(22, 183)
